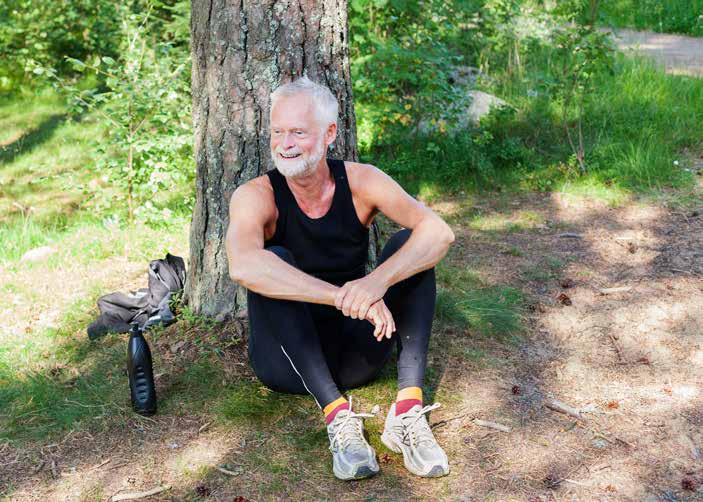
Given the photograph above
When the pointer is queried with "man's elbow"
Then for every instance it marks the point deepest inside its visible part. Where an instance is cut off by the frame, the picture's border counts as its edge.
(235, 275)
(450, 238)
(447, 234)
(237, 271)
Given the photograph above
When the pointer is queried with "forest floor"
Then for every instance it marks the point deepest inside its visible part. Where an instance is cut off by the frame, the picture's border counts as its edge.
(543, 296)
(611, 326)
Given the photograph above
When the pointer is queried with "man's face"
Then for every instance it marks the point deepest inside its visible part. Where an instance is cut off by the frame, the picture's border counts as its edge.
(297, 139)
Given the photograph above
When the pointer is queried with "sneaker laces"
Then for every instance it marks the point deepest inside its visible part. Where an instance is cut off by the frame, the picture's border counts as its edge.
(350, 430)
(417, 428)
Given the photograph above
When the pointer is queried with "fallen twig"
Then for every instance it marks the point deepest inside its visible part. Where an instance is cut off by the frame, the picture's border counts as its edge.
(117, 466)
(587, 328)
(617, 348)
(576, 482)
(39, 467)
(491, 425)
(99, 465)
(608, 291)
(555, 405)
(204, 427)
(54, 470)
(227, 471)
(140, 495)
(446, 420)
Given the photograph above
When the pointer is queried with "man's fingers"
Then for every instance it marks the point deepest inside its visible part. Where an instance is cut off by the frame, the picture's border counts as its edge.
(390, 323)
(339, 297)
(379, 335)
(356, 309)
(347, 305)
(384, 312)
(364, 310)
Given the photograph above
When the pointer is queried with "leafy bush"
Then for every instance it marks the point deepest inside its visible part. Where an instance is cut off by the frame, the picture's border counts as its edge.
(144, 101)
(403, 63)
(672, 16)
(40, 34)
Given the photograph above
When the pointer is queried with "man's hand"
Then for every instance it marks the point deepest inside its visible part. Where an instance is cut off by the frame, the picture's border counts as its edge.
(381, 317)
(356, 297)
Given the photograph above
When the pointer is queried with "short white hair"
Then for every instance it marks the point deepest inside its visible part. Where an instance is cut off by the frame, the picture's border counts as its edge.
(326, 105)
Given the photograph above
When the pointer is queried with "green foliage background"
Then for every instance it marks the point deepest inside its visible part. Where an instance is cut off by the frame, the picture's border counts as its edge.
(414, 64)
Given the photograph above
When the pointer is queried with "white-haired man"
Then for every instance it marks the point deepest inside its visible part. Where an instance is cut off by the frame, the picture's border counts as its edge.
(298, 241)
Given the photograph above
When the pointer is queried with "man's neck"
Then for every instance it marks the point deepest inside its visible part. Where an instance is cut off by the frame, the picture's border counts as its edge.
(312, 186)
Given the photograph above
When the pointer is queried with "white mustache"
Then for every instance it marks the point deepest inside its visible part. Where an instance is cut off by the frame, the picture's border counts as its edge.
(288, 152)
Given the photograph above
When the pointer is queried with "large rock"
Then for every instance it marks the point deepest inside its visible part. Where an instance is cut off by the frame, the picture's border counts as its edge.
(481, 105)
(37, 254)
(469, 110)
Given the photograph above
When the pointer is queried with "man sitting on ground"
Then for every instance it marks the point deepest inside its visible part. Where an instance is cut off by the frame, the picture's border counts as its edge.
(298, 241)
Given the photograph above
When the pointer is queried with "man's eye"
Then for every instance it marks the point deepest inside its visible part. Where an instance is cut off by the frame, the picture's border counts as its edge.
(299, 133)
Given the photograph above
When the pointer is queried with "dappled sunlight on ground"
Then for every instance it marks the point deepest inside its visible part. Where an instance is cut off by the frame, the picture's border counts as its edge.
(630, 359)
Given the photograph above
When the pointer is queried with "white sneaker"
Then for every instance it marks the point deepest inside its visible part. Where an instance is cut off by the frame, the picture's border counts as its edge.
(352, 456)
(410, 434)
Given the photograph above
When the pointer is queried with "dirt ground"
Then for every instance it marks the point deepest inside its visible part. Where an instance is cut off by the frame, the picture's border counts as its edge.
(613, 330)
(680, 54)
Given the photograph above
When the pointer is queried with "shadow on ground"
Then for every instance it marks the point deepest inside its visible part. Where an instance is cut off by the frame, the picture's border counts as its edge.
(31, 139)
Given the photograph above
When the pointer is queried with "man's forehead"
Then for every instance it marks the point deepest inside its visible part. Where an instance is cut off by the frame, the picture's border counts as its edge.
(292, 108)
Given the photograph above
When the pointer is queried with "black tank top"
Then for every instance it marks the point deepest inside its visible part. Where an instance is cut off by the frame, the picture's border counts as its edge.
(334, 247)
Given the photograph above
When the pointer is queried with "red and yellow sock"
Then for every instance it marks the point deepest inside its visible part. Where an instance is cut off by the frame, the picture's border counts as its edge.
(407, 398)
(335, 407)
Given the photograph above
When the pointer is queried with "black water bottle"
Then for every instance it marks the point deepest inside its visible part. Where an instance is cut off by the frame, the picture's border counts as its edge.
(141, 373)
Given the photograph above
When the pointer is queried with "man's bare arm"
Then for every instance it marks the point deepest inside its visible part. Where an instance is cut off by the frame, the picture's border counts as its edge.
(428, 243)
(260, 270)
(430, 238)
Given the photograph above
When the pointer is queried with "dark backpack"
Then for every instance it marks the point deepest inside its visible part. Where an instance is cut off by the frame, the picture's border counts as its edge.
(147, 306)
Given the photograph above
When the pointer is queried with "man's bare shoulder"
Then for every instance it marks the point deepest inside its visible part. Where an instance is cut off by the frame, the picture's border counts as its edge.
(257, 195)
(360, 174)
(259, 186)
(356, 171)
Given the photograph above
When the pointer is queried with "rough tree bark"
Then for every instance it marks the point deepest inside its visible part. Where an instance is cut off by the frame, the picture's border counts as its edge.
(241, 51)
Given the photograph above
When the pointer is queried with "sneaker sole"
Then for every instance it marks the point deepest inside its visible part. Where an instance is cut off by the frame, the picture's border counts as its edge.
(362, 472)
(435, 472)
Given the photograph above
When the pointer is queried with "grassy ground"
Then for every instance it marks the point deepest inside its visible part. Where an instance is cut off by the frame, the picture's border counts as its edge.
(504, 340)
(638, 121)
(671, 16)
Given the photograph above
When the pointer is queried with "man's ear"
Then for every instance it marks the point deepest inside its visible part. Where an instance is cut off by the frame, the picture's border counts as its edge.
(330, 134)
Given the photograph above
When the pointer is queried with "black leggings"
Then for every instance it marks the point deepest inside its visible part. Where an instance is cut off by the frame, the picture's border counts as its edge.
(299, 347)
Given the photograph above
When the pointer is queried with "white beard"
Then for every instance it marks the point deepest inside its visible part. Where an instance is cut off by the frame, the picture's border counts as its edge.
(300, 166)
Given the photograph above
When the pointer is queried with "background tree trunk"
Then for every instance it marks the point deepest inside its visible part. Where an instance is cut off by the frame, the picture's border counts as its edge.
(241, 51)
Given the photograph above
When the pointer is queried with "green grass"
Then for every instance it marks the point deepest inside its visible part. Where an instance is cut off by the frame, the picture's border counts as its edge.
(53, 381)
(48, 175)
(465, 303)
(637, 122)
(501, 223)
(671, 16)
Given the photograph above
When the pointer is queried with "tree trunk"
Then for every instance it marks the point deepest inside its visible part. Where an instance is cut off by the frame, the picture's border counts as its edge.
(241, 52)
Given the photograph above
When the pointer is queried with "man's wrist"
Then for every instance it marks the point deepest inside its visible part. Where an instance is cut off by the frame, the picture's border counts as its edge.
(382, 276)
(332, 294)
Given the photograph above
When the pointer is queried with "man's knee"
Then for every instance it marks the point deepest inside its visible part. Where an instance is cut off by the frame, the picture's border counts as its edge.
(283, 253)
(395, 242)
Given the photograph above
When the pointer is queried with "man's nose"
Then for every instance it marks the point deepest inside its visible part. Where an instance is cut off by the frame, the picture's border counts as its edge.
(288, 140)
